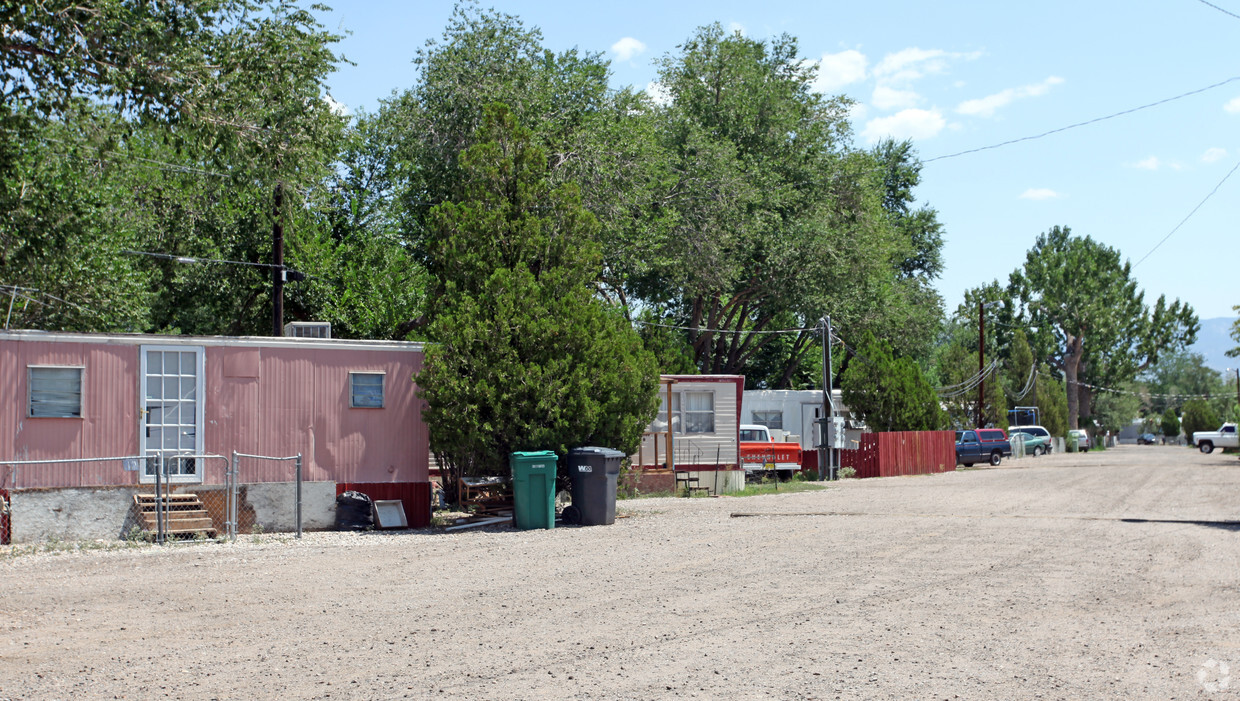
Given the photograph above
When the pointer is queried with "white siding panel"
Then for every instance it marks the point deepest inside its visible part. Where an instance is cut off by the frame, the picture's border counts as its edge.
(716, 448)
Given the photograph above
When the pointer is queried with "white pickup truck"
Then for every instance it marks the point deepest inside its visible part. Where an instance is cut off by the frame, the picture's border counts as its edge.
(1224, 437)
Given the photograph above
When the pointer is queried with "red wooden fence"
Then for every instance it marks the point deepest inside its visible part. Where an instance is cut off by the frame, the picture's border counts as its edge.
(902, 453)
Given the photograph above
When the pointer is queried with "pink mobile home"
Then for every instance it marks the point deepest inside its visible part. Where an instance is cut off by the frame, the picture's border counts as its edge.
(349, 407)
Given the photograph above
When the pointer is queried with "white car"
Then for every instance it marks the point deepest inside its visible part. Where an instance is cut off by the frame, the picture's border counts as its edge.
(1082, 439)
(1034, 430)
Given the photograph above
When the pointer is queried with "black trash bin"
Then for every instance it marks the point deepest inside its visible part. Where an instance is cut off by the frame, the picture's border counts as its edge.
(594, 472)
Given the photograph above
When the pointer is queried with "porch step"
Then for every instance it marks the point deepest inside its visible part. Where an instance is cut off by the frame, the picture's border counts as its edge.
(185, 515)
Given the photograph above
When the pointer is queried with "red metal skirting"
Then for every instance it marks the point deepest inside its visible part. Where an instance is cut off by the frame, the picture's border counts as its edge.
(415, 496)
(898, 453)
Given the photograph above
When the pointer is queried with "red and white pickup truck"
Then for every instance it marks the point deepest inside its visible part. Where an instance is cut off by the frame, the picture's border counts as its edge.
(760, 454)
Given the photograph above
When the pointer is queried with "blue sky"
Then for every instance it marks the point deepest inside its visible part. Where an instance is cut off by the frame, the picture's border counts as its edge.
(953, 77)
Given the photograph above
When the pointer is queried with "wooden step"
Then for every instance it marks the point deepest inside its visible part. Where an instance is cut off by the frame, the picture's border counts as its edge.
(184, 514)
(179, 516)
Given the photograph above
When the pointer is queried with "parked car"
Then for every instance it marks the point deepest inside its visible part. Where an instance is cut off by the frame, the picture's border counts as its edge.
(1034, 445)
(1082, 439)
(982, 445)
(1147, 439)
(1036, 431)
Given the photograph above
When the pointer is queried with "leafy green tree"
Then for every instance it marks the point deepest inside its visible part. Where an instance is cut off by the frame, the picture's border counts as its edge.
(1169, 424)
(61, 243)
(526, 356)
(1198, 416)
(957, 368)
(771, 229)
(1052, 402)
(194, 128)
(921, 229)
(1182, 375)
(889, 393)
(1114, 411)
(1037, 388)
(1080, 288)
(145, 57)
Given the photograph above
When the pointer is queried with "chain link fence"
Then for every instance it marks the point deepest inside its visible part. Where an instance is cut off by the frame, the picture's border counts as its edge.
(175, 498)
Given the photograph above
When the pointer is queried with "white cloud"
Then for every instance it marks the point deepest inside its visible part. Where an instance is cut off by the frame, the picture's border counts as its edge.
(907, 124)
(338, 108)
(1213, 154)
(1151, 163)
(658, 94)
(907, 65)
(734, 27)
(886, 98)
(986, 106)
(1233, 105)
(837, 70)
(1039, 193)
(627, 48)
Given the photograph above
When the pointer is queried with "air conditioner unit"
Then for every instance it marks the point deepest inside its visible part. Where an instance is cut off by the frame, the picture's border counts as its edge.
(308, 329)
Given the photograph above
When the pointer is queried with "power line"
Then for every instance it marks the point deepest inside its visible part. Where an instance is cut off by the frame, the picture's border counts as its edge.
(701, 330)
(1190, 214)
(18, 291)
(190, 259)
(1226, 12)
(1132, 393)
(1085, 123)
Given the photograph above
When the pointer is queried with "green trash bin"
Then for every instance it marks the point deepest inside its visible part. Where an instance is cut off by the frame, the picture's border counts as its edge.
(533, 489)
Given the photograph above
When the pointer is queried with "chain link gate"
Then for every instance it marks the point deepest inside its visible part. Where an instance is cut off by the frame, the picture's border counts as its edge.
(234, 517)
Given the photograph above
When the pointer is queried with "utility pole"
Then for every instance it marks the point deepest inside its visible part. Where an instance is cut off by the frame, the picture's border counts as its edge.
(981, 352)
(277, 261)
(824, 465)
(832, 447)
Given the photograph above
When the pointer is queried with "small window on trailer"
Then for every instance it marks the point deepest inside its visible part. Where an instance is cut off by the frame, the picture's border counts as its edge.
(699, 412)
(54, 392)
(769, 418)
(366, 390)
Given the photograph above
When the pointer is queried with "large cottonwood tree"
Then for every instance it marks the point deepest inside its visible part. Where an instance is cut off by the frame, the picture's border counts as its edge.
(1106, 332)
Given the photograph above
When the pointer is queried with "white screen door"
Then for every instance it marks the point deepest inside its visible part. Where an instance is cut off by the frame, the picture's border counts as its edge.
(171, 394)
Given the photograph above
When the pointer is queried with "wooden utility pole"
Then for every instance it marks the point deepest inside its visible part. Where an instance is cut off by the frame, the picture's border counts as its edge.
(981, 352)
(277, 261)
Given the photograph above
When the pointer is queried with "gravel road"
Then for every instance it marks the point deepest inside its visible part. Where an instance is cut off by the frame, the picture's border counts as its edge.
(1103, 575)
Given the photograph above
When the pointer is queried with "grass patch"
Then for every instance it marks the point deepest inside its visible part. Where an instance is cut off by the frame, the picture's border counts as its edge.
(635, 494)
(760, 488)
(56, 546)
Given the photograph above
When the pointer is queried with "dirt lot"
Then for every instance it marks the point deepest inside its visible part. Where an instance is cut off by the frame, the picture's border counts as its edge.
(1076, 576)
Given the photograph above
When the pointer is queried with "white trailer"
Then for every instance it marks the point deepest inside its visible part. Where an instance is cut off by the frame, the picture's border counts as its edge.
(790, 415)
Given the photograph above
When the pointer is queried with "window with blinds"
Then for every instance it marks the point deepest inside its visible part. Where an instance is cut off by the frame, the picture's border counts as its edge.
(366, 390)
(54, 392)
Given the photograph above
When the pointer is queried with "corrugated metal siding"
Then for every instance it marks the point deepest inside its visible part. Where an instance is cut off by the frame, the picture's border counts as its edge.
(107, 427)
(415, 497)
(279, 401)
(899, 453)
(302, 406)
